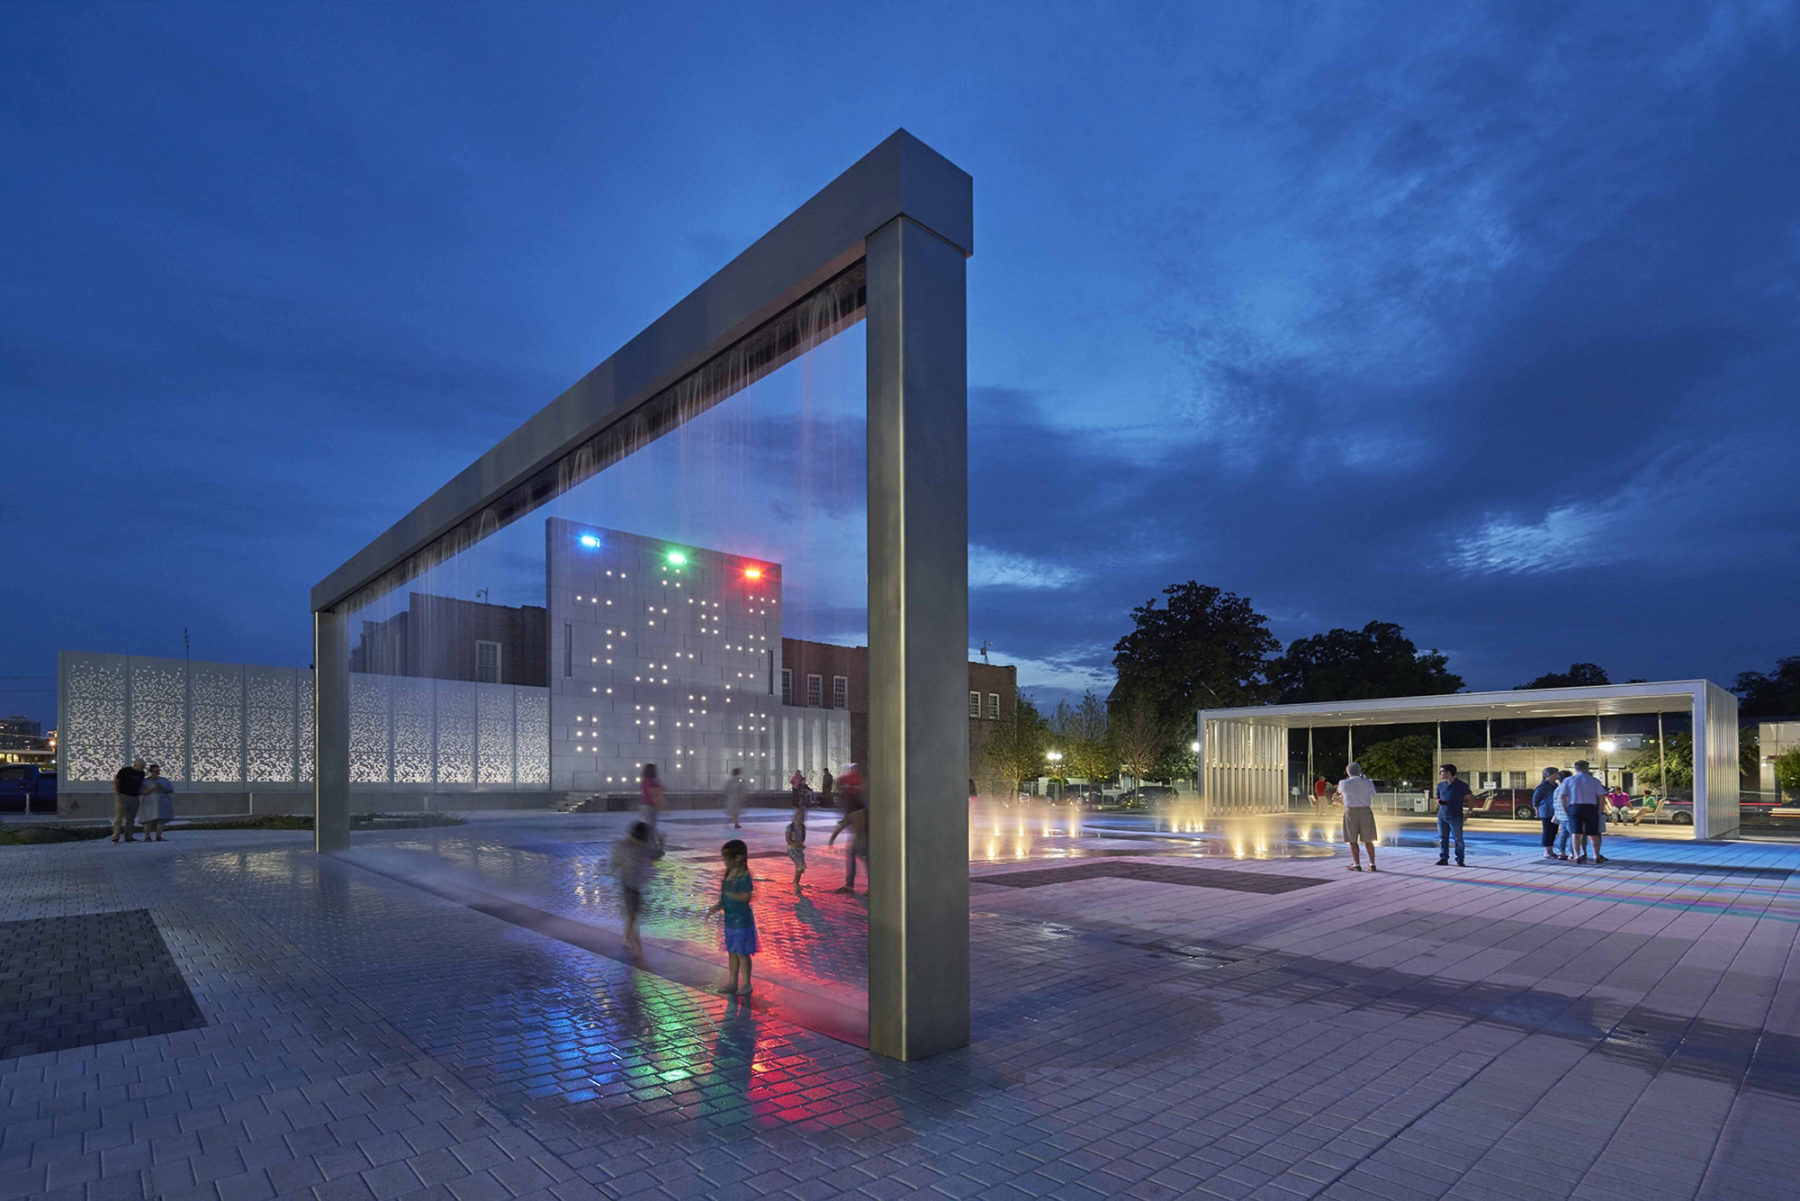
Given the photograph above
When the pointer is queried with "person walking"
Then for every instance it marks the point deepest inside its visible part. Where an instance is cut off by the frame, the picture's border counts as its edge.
(1582, 794)
(735, 888)
(128, 791)
(650, 796)
(734, 798)
(856, 820)
(1358, 794)
(159, 795)
(826, 784)
(633, 860)
(1543, 801)
(1452, 795)
(1320, 788)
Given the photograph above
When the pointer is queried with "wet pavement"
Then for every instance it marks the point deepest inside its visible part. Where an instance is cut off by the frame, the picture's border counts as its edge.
(1162, 1008)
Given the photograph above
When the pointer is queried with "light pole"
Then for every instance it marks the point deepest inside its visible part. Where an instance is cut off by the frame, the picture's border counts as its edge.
(1055, 772)
(1607, 747)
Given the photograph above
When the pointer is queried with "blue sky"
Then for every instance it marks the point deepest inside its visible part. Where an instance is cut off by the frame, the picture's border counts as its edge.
(1478, 318)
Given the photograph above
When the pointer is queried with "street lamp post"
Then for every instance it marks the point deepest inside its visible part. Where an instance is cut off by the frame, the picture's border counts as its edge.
(1055, 773)
(1607, 747)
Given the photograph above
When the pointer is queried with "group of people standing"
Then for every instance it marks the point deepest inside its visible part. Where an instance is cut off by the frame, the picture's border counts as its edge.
(134, 786)
(1572, 807)
(1570, 804)
(634, 857)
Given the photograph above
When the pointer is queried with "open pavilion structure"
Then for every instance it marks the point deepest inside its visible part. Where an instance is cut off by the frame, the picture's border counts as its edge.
(1244, 753)
(886, 243)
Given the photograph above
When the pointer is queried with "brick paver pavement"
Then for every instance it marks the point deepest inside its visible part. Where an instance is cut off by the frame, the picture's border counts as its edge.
(1513, 1029)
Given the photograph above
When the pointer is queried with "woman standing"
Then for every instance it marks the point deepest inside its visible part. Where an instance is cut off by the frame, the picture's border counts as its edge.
(159, 801)
(1544, 802)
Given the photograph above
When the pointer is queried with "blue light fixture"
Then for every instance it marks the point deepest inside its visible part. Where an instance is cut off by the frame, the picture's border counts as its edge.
(591, 541)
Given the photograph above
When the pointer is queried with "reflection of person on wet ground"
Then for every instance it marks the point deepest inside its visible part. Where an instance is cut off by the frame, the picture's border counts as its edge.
(1358, 794)
(796, 844)
(856, 820)
(734, 798)
(632, 860)
(650, 795)
(740, 923)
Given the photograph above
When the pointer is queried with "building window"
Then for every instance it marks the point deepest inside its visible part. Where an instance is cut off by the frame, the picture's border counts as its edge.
(840, 692)
(787, 685)
(993, 706)
(568, 650)
(815, 692)
(1515, 779)
(487, 662)
(974, 704)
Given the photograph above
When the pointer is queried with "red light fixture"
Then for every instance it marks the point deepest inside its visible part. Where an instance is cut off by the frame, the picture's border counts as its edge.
(753, 573)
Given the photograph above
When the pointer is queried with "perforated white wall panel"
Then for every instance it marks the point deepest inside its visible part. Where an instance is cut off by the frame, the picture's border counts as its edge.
(494, 709)
(91, 725)
(270, 730)
(455, 732)
(369, 729)
(532, 722)
(216, 714)
(159, 715)
(412, 723)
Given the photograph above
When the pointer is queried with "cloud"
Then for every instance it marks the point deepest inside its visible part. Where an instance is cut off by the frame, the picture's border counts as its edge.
(990, 568)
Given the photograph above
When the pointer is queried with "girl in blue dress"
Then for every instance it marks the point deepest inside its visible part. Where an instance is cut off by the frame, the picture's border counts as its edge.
(740, 922)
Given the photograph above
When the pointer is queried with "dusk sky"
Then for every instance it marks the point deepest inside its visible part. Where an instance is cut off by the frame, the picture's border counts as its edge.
(1482, 319)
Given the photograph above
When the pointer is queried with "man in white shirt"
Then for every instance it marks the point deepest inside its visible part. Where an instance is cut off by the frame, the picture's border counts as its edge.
(1357, 792)
(1581, 793)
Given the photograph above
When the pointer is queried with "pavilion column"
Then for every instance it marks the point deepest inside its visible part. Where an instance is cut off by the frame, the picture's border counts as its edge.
(918, 642)
(331, 730)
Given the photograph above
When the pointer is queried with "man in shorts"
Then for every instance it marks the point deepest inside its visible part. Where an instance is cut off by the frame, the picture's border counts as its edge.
(1582, 794)
(1357, 792)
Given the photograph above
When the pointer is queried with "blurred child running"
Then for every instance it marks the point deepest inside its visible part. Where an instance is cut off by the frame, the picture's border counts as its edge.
(796, 844)
(740, 923)
(632, 857)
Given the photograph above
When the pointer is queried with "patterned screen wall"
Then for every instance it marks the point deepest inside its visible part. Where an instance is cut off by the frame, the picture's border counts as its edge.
(226, 725)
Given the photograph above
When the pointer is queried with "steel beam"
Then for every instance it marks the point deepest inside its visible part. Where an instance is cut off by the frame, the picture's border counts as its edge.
(918, 642)
(331, 730)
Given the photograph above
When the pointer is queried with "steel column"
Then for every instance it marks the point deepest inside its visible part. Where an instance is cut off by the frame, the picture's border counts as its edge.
(918, 403)
(331, 730)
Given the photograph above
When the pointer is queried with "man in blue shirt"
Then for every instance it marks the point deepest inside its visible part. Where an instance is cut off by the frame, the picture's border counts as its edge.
(1452, 794)
(1581, 794)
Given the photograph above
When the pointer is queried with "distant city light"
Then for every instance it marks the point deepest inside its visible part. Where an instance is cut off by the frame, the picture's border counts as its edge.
(591, 541)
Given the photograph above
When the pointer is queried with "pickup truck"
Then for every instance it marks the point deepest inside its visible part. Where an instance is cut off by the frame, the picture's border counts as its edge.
(27, 788)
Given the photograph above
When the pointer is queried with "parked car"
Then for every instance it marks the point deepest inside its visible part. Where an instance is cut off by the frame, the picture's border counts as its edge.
(1149, 794)
(1501, 802)
(27, 788)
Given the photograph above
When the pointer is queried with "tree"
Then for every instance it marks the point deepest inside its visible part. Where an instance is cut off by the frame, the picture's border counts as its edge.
(1776, 694)
(1015, 750)
(1204, 647)
(1648, 764)
(1787, 770)
(1347, 665)
(1141, 741)
(1083, 730)
(1397, 759)
(1579, 675)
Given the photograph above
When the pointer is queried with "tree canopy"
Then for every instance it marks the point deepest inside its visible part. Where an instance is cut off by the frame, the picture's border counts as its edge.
(1203, 647)
(1085, 739)
(1579, 675)
(1014, 751)
(1770, 694)
(1346, 665)
(1397, 759)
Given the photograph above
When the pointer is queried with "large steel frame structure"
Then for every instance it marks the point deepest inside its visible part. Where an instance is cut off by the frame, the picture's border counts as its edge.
(885, 242)
(1244, 752)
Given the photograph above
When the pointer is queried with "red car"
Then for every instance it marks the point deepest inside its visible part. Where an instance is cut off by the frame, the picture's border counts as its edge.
(1501, 802)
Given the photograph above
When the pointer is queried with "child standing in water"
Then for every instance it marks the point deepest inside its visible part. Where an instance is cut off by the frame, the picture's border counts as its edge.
(632, 857)
(796, 844)
(740, 922)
